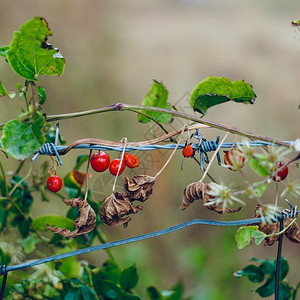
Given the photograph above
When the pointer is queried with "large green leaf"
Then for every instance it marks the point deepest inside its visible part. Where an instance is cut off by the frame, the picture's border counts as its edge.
(246, 233)
(21, 139)
(53, 220)
(215, 90)
(129, 278)
(156, 97)
(30, 55)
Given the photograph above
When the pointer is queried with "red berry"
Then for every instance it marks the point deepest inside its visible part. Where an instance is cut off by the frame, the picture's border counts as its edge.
(131, 160)
(54, 183)
(114, 166)
(234, 159)
(281, 175)
(187, 151)
(100, 161)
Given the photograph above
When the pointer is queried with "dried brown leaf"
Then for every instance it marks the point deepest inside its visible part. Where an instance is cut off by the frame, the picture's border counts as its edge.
(138, 188)
(83, 224)
(292, 233)
(199, 191)
(115, 210)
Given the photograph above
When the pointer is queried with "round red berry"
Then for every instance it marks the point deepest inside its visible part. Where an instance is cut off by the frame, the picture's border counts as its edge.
(234, 159)
(54, 183)
(100, 161)
(131, 160)
(114, 166)
(187, 151)
(282, 174)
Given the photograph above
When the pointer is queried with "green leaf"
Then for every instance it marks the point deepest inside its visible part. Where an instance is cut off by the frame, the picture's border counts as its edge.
(154, 294)
(42, 94)
(3, 50)
(246, 233)
(30, 55)
(266, 289)
(157, 97)
(74, 294)
(253, 273)
(267, 267)
(87, 293)
(4, 257)
(259, 190)
(29, 243)
(69, 266)
(129, 278)
(4, 92)
(130, 297)
(110, 271)
(284, 268)
(285, 291)
(216, 90)
(80, 160)
(21, 139)
(107, 289)
(53, 220)
(258, 168)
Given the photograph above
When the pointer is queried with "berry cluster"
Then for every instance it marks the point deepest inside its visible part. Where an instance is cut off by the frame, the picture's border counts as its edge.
(100, 161)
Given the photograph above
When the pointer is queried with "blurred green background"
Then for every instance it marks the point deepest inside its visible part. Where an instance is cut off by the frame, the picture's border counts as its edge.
(113, 50)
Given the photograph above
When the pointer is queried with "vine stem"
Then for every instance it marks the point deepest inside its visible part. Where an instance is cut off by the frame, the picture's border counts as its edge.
(139, 108)
(124, 140)
(87, 175)
(173, 152)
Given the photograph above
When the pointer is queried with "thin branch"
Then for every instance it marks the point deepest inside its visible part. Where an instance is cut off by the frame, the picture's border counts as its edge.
(138, 108)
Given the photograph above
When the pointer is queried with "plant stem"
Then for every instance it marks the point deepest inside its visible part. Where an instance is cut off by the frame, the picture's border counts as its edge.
(4, 179)
(20, 167)
(20, 182)
(295, 291)
(138, 108)
(102, 240)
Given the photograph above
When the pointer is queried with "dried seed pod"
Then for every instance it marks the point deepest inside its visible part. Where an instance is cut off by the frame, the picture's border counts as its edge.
(199, 191)
(84, 223)
(115, 210)
(292, 233)
(138, 188)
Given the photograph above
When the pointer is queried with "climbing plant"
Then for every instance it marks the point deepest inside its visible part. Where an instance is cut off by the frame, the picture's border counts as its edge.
(32, 134)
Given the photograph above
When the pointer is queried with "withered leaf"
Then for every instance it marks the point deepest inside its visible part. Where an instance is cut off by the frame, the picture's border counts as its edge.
(83, 224)
(138, 188)
(292, 233)
(79, 177)
(198, 191)
(115, 210)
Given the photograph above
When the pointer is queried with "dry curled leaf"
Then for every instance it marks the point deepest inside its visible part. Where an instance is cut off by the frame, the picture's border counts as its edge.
(115, 210)
(138, 188)
(199, 191)
(292, 233)
(83, 224)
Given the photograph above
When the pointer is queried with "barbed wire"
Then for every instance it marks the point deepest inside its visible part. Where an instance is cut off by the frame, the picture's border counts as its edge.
(202, 146)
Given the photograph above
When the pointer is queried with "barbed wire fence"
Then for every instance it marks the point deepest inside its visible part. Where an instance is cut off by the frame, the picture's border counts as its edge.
(202, 146)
